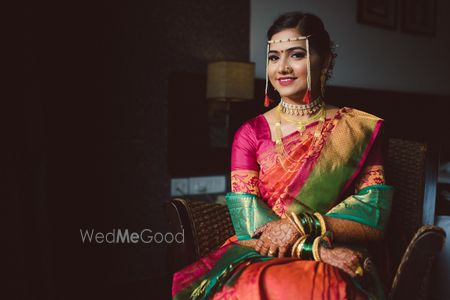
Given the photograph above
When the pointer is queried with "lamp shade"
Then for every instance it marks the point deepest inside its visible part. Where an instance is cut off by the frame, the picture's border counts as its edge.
(230, 80)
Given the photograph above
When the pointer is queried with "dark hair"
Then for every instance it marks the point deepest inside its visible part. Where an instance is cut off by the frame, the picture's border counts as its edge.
(306, 24)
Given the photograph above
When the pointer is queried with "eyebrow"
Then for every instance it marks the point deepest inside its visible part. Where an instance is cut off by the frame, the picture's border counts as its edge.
(289, 49)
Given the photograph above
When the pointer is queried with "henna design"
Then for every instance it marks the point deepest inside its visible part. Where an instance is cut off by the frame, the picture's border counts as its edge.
(345, 259)
(277, 237)
(346, 231)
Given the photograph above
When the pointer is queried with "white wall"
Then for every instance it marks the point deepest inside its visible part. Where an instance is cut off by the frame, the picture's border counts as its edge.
(368, 56)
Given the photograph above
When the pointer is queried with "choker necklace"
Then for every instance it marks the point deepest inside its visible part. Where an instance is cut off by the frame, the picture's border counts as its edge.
(301, 109)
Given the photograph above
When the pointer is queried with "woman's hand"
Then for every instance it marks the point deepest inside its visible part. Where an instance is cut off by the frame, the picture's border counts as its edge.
(345, 259)
(277, 238)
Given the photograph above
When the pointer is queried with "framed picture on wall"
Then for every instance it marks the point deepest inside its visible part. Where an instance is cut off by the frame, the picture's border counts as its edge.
(379, 13)
(419, 17)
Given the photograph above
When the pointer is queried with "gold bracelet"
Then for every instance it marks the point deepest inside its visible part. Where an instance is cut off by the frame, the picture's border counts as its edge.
(298, 223)
(298, 251)
(294, 247)
(315, 248)
(299, 229)
(323, 226)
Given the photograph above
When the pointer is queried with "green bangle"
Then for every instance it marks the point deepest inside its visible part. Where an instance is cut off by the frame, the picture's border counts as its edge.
(317, 225)
(311, 221)
(304, 220)
(307, 249)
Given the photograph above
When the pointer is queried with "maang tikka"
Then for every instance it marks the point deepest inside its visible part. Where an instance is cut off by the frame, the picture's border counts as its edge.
(307, 97)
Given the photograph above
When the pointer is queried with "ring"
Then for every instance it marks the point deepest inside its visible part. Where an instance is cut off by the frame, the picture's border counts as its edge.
(359, 271)
(270, 253)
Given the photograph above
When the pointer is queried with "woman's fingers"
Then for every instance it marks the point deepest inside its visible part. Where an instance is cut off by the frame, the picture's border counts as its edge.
(265, 247)
(248, 243)
(346, 259)
(260, 229)
(276, 237)
(264, 250)
(258, 245)
(272, 250)
(262, 246)
(282, 251)
(349, 270)
(354, 261)
(353, 265)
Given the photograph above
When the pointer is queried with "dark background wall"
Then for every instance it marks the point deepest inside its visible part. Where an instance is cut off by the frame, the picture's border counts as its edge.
(92, 142)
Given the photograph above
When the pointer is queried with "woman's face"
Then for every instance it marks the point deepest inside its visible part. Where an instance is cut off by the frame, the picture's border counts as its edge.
(287, 67)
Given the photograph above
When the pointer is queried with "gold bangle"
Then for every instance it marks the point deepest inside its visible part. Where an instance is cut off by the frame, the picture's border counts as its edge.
(294, 246)
(298, 223)
(315, 248)
(323, 226)
(299, 229)
(298, 251)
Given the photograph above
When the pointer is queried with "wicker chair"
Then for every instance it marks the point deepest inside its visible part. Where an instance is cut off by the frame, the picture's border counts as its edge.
(413, 247)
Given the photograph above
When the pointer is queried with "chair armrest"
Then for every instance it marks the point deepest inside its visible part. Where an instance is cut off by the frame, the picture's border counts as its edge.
(412, 278)
(206, 227)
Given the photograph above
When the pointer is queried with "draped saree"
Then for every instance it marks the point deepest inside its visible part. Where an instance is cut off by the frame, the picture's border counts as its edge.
(337, 172)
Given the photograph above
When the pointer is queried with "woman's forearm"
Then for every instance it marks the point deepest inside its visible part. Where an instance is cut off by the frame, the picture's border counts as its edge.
(346, 231)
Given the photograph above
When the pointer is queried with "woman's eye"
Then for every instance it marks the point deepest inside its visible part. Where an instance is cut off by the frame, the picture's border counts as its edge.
(273, 57)
(298, 55)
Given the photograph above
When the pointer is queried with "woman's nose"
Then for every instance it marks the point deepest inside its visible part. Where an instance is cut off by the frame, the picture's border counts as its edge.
(284, 68)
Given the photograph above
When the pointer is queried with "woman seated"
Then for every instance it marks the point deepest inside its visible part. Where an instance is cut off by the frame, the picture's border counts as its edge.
(308, 192)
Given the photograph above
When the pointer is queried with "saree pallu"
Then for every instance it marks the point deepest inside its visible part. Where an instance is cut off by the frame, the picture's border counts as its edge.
(314, 177)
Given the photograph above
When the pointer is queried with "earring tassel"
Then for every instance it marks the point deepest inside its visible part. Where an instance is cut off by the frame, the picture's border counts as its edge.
(307, 97)
(266, 101)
